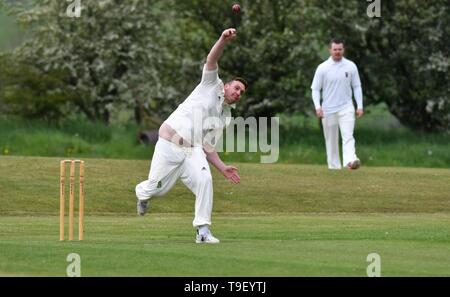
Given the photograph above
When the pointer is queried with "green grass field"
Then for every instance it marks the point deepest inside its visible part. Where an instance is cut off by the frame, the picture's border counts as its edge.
(380, 141)
(282, 220)
(293, 218)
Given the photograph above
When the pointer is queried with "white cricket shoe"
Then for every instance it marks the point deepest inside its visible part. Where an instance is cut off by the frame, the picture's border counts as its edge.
(206, 238)
(142, 206)
(354, 165)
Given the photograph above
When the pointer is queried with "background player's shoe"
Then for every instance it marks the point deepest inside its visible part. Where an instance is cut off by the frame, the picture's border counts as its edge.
(354, 165)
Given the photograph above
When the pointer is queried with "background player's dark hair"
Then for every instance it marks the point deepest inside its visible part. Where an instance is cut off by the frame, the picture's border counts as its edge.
(337, 41)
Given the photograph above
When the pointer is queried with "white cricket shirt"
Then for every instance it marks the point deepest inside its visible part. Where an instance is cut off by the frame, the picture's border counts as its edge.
(204, 114)
(336, 80)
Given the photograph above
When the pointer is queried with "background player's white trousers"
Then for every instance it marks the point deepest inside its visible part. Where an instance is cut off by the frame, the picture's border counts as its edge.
(171, 162)
(344, 121)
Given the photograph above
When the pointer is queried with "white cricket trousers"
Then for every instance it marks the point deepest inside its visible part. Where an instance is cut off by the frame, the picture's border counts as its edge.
(344, 121)
(171, 162)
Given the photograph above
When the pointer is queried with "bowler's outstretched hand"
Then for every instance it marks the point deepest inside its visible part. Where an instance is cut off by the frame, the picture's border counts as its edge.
(231, 173)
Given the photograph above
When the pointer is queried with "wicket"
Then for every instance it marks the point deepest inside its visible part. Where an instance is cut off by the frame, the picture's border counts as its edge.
(71, 198)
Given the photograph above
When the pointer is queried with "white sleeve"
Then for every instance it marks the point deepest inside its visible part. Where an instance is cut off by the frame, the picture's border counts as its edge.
(355, 78)
(358, 96)
(316, 98)
(357, 89)
(316, 86)
(209, 77)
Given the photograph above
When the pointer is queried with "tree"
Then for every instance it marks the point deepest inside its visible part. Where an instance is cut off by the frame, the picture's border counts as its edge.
(26, 91)
(107, 55)
(147, 55)
(275, 50)
(403, 56)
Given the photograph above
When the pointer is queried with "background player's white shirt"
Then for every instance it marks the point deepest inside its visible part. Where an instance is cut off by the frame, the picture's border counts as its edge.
(336, 80)
(203, 115)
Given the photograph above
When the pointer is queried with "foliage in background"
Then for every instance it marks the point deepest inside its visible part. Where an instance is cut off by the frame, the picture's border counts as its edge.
(403, 56)
(107, 56)
(25, 90)
(145, 57)
(10, 35)
(275, 50)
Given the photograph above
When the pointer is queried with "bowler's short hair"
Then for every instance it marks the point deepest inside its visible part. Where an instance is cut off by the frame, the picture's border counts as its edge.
(242, 80)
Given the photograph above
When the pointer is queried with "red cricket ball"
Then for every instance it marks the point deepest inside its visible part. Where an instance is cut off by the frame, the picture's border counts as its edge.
(236, 8)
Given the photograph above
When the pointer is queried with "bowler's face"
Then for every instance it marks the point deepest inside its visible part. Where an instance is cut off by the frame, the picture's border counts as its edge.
(337, 51)
(233, 91)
